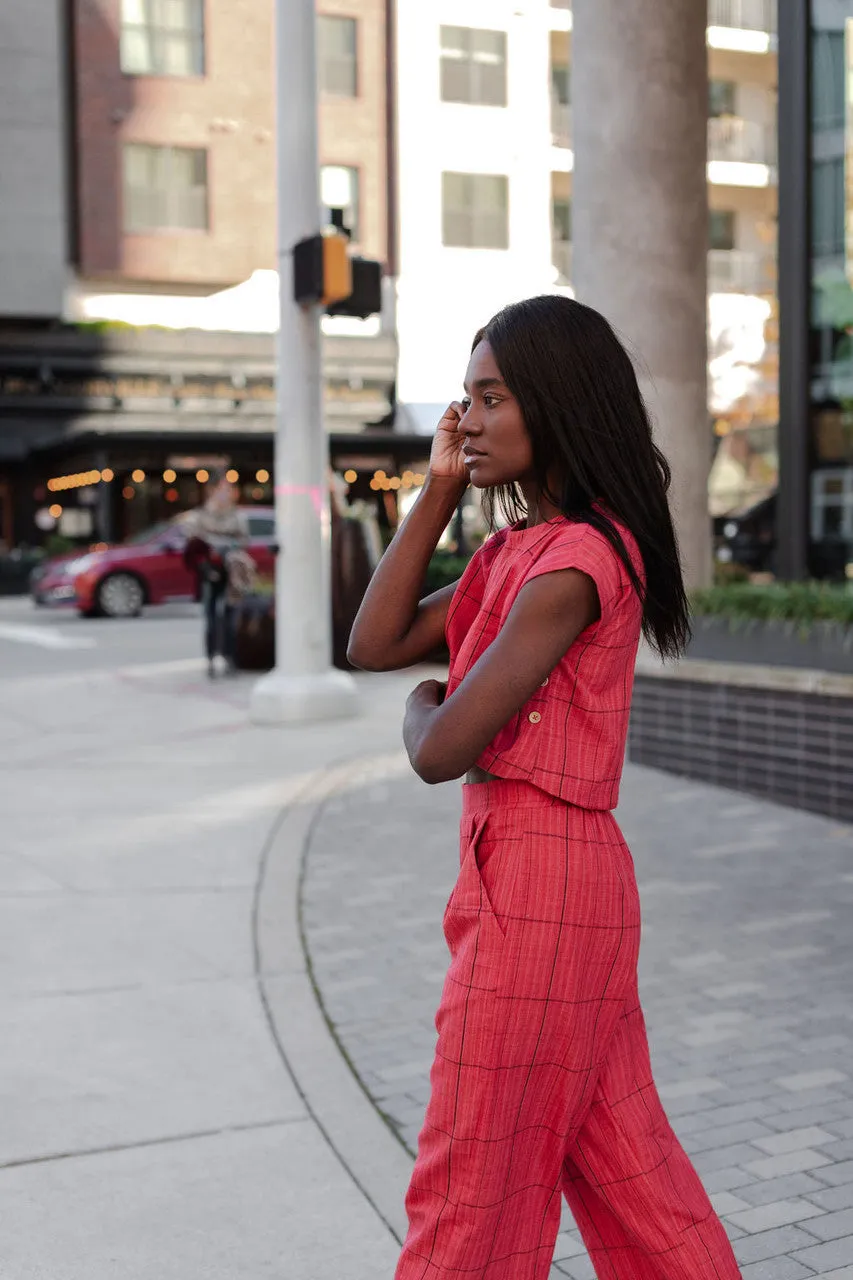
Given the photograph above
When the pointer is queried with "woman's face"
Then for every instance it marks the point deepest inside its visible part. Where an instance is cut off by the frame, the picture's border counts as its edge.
(496, 447)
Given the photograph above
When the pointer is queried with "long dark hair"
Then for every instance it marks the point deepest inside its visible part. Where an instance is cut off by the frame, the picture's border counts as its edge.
(588, 426)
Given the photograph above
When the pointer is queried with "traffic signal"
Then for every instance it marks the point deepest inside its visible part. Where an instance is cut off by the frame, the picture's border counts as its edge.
(322, 269)
(325, 272)
(365, 298)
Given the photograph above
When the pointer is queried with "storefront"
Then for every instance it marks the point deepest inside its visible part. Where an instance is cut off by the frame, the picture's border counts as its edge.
(102, 436)
(815, 509)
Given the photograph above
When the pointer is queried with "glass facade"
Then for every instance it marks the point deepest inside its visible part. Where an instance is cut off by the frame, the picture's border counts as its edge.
(830, 443)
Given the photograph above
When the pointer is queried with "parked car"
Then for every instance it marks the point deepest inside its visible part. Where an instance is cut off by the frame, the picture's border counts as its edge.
(147, 569)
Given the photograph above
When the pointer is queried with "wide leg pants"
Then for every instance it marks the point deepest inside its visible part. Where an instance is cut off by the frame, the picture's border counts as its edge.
(541, 1084)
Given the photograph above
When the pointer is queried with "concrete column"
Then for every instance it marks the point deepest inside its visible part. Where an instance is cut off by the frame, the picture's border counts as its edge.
(640, 221)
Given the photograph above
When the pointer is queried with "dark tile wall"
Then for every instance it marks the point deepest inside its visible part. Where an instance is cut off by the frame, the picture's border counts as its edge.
(796, 748)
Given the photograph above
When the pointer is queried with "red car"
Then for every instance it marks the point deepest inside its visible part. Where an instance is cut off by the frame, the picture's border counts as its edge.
(147, 569)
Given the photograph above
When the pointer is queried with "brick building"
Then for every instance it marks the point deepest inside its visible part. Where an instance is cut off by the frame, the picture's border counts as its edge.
(149, 197)
(175, 145)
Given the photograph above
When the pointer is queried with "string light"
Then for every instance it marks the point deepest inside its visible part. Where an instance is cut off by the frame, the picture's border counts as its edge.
(408, 480)
(232, 476)
(138, 476)
(262, 476)
(55, 510)
(171, 495)
(170, 476)
(128, 492)
(79, 480)
(107, 475)
(350, 476)
(202, 476)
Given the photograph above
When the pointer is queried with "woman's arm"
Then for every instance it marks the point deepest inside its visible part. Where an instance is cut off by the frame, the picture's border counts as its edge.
(445, 739)
(394, 628)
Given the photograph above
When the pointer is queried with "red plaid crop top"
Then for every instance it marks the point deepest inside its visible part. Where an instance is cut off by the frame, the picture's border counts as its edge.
(569, 739)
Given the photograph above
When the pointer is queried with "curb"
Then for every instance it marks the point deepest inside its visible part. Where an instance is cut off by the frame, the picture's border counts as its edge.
(337, 1102)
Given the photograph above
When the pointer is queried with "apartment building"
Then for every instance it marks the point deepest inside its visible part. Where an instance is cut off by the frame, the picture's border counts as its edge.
(485, 172)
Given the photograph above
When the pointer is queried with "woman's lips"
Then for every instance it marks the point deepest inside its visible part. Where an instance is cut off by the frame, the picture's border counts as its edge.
(470, 456)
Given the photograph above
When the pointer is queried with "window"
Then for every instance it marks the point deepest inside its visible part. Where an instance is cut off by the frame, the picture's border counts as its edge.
(339, 190)
(475, 210)
(561, 219)
(721, 98)
(561, 83)
(832, 503)
(165, 188)
(473, 66)
(162, 37)
(721, 229)
(260, 526)
(337, 50)
(561, 238)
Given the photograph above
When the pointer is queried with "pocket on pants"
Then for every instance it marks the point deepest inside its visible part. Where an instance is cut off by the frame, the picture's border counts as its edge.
(474, 933)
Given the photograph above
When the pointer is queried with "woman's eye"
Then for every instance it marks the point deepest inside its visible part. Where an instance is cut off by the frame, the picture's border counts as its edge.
(490, 401)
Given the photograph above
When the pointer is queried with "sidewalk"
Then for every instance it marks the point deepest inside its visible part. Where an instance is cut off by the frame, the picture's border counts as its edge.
(221, 955)
(151, 1126)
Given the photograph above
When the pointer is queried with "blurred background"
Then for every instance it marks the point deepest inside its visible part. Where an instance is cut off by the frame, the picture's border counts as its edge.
(137, 260)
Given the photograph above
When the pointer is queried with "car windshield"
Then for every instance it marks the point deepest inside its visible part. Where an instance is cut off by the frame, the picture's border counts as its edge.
(148, 534)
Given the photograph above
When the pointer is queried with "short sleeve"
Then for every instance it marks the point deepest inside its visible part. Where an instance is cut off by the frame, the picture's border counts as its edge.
(587, 550)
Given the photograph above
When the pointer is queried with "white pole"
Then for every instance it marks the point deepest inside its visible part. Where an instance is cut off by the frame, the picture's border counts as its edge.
(304, 686)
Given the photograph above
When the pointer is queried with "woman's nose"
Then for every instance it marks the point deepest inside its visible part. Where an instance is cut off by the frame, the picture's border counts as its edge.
(468, 422)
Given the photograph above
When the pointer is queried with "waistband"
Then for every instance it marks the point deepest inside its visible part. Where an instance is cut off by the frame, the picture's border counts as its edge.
(506, 793)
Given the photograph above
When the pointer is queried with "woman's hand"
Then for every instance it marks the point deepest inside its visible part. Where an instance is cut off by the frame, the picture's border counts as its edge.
(426, 695)
(446, 455)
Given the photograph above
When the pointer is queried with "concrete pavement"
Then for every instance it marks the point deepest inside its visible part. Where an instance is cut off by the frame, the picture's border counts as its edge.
(152, 1125)
(221, 951)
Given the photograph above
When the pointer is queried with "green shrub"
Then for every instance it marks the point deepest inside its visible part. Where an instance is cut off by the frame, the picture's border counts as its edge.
(800, 603)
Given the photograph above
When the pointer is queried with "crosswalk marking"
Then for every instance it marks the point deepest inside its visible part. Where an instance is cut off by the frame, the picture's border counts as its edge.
(44, 637)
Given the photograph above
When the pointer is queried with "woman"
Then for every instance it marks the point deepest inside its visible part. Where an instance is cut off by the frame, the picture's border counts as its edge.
(216, 532)
(541, 1082)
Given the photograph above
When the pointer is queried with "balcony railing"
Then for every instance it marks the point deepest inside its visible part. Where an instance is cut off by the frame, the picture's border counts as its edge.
(561, 257)
(743, 141)
(743, 15)
(736, 271)
(561, 123)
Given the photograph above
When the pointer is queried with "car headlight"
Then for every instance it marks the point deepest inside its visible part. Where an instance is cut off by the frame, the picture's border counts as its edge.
(80, 565)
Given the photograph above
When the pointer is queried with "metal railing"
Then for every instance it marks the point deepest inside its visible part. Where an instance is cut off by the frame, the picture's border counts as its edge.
(745, 141)
(561, 257)
(738, 271)
(561, 122)
(744, 15)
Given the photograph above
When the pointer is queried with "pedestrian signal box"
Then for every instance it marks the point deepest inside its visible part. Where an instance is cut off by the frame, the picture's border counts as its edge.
(322, 270)
(325, 272)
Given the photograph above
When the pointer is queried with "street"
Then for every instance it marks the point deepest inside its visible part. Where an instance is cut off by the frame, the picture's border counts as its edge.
(221, 953)
(44, 641)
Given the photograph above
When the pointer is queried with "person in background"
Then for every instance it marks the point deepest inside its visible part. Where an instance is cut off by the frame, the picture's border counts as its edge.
(217, 534)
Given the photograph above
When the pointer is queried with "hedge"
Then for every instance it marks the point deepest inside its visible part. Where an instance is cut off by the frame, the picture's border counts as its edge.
(801, 603)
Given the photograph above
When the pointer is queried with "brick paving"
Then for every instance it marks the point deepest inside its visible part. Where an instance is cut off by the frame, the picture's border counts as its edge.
(746, 976)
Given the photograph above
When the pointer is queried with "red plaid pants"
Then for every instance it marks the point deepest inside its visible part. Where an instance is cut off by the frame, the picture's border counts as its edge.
(542, 1083)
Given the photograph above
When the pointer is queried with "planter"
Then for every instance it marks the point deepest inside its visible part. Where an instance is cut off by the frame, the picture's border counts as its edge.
(776, 732)
(824, 646)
